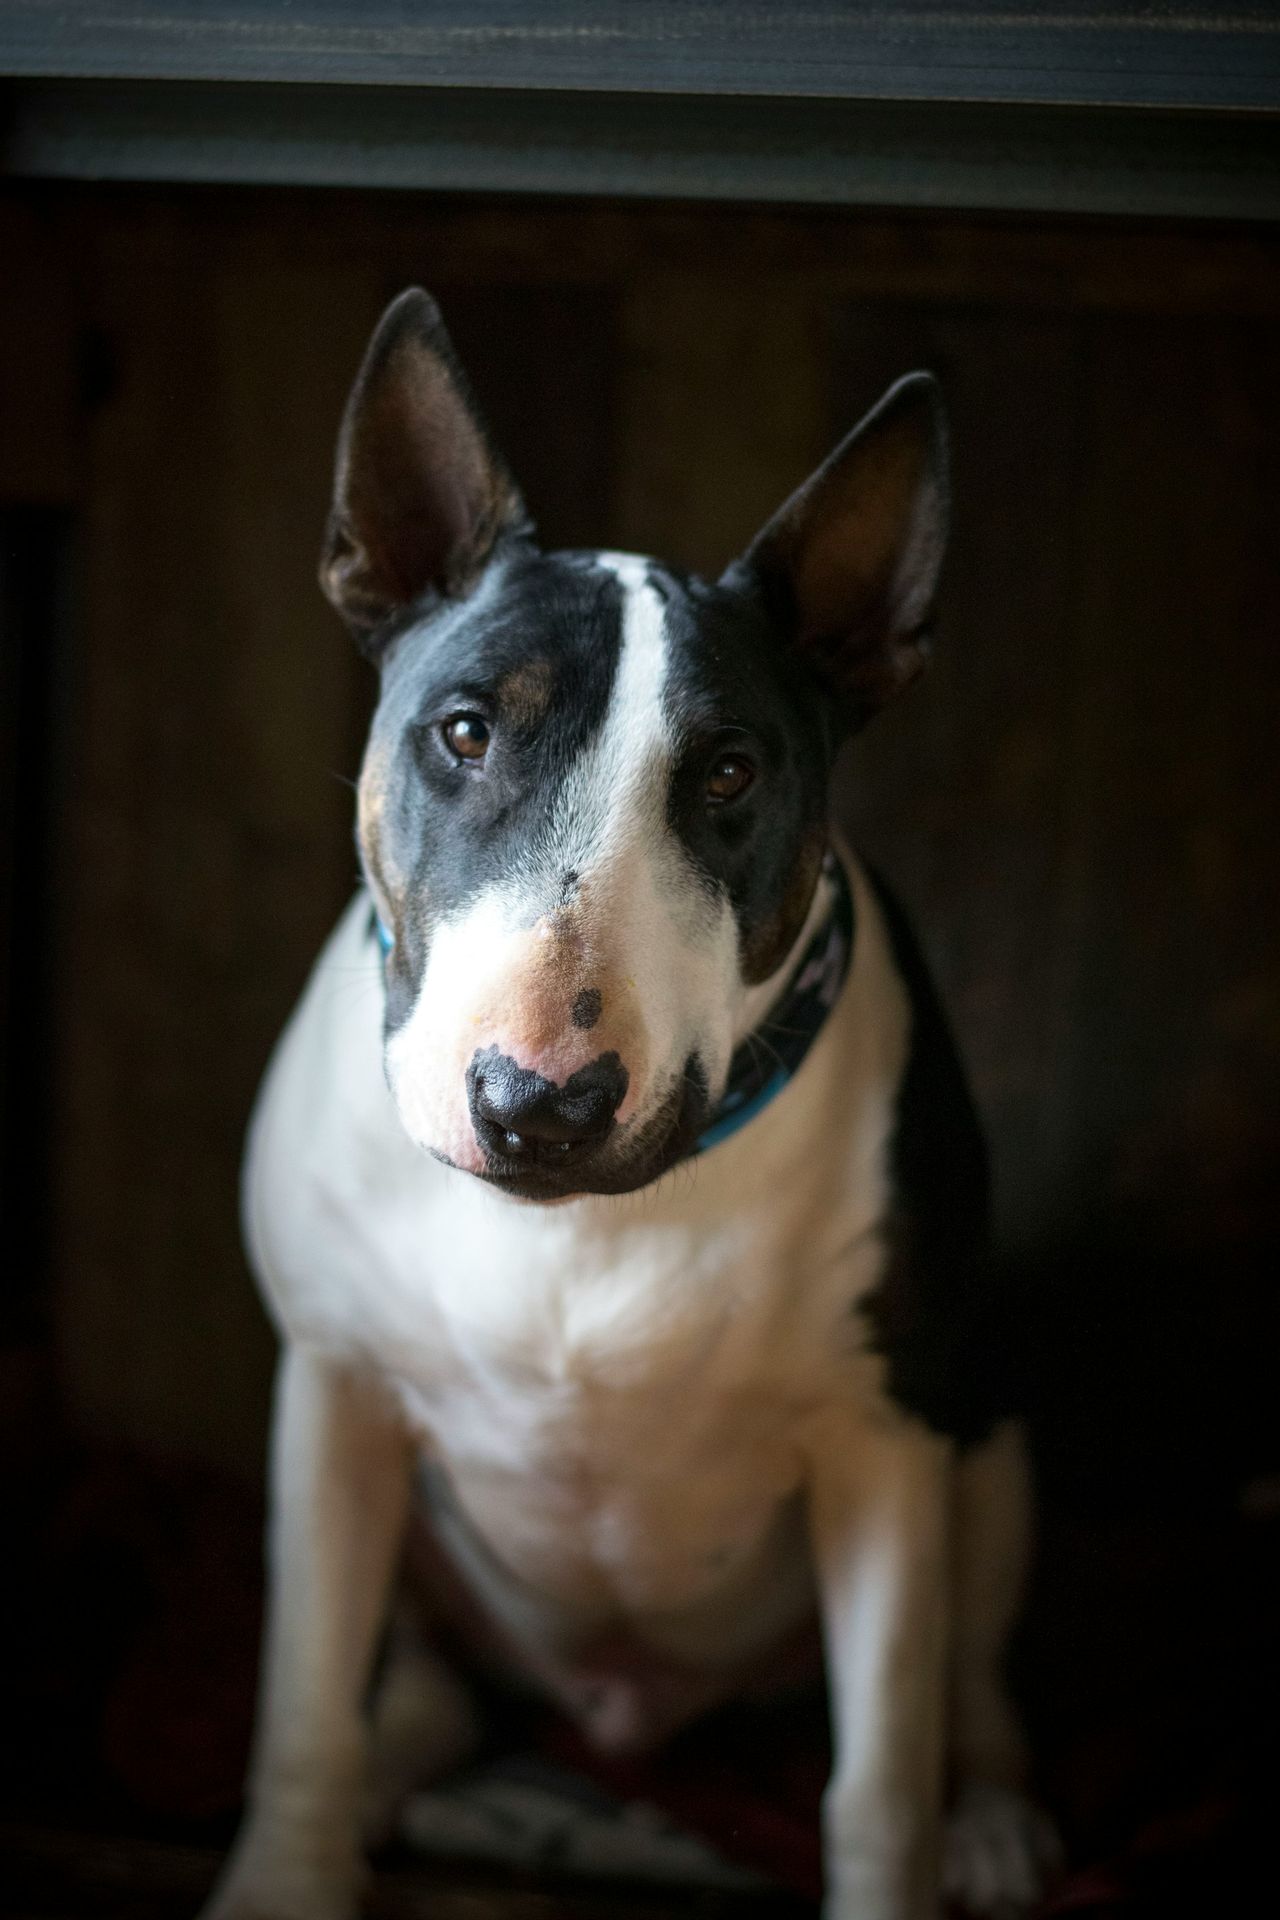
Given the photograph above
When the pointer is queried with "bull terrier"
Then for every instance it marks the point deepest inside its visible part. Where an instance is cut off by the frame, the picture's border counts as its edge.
(615, 1186)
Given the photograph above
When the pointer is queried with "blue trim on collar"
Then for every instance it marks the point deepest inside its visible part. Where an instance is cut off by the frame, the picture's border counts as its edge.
(727, 1124)
(772, 1053)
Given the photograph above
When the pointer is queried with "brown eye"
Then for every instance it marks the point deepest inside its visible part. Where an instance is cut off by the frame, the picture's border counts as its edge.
(728, 779)
(467, 735)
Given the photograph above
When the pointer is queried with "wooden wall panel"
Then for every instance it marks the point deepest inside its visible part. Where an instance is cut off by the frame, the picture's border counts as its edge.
(1076, 804)
(722, 410)
(220, 710)
(222, 714)
(40, 366)
(545, 359)
(957, 792)
(1079, 803)
(1170, 1067)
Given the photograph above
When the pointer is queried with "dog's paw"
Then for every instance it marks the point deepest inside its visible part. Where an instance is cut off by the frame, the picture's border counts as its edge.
(999, 1853)
(251, 1903)
(253, 1888)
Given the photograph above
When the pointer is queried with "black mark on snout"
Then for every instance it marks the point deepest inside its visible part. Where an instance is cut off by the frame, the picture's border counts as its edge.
(519, 1116)
(587, 1008)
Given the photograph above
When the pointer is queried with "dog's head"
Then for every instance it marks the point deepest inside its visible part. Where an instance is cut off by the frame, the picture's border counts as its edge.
(593, 808)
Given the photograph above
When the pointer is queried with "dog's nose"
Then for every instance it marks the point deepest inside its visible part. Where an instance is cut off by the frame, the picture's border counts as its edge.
(519, 1115)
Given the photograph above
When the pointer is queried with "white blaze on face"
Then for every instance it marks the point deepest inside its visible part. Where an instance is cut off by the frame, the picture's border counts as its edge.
(636, 927)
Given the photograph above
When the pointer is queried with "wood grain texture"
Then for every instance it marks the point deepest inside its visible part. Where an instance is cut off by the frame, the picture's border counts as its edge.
(59, 1873)
(1079, 803)
(219, 709)
(40, 369)
(1164, 162)
(958, 792)
(1102, 743)
(1170, 55)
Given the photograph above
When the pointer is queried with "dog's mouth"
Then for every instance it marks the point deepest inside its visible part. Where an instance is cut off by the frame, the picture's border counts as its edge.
(621, 1162)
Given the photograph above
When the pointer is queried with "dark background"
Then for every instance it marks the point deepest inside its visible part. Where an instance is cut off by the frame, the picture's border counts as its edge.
(1079, 806)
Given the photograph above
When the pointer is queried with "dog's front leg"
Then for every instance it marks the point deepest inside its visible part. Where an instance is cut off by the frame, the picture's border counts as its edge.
(340, 1473)
(878, 1503)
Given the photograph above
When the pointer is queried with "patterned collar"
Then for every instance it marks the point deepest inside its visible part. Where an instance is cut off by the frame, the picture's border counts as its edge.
(773, 1052)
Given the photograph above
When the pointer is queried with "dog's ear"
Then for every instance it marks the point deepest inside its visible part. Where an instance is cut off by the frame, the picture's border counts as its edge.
(849, 566)
(420, 497)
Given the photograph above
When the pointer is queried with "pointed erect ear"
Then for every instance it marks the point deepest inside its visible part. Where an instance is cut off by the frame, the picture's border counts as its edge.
(419, 497)
(849, 566)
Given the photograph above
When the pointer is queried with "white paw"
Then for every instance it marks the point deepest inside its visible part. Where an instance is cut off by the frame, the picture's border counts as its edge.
(999, 1853)
(267, 1903)
(258, 1884)
(271, 1903)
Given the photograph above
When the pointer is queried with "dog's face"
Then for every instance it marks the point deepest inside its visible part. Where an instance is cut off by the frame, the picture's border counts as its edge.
(592, 811)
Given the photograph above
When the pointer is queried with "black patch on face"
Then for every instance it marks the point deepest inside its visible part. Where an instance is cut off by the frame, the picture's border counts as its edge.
(734, 689)
(447, 827)
(587, 1008)
(936, 1315)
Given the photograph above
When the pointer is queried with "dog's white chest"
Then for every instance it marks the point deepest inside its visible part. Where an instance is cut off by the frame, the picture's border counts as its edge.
(615, 1387)
(627, 1427)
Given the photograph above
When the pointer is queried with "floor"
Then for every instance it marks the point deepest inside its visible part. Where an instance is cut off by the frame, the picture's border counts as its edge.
(50, 1874)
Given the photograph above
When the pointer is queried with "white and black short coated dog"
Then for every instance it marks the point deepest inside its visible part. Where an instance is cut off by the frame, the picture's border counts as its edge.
(615, 1186)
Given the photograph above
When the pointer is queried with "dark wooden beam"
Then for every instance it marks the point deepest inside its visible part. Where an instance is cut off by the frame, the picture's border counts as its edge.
(1036, 160)
(1158, 55)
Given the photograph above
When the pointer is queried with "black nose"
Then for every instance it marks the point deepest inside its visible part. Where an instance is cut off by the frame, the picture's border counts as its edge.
(517, 1115)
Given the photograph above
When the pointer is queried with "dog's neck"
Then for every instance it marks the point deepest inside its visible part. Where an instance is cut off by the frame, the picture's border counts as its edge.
(785, 1014)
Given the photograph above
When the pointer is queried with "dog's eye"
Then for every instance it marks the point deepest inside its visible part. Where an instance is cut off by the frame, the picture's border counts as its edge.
(466, 735)
(728, 779)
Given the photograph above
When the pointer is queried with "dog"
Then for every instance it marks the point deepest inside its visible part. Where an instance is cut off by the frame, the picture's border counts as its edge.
(615, 1187)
